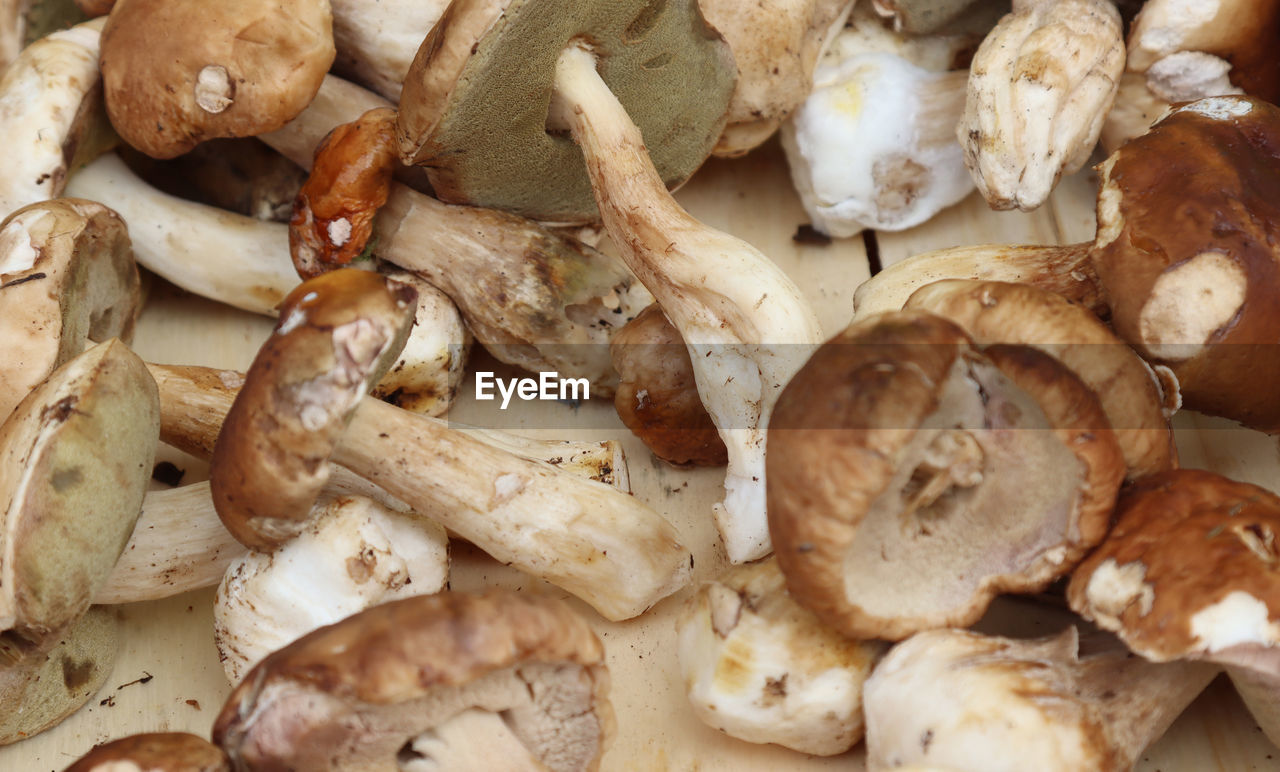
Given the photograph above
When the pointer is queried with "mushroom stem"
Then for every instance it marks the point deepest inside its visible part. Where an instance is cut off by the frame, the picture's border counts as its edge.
(746, 324)
(1261, 694)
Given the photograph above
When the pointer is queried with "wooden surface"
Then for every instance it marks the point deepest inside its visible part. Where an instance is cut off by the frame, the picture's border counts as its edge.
(171, 641)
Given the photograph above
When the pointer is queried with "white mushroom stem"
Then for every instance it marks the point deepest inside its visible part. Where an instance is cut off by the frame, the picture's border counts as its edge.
(426, 376)
(973, 703)
(875, 146)
(13, 30)
(377, 41)
(354, 555)
(524, 290)
(746, 324)
(1260, 692)
(46, 97)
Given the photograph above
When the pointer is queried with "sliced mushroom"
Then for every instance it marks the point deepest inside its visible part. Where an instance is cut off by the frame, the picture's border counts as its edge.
(161, 752)
(67, 277)
(913, 477)
(440, 682)
(177, 73)
(759, 667)
(1191, 571)
(966, 702)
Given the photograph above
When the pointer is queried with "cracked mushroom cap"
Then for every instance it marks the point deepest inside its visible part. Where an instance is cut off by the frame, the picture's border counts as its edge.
(1190, 570)
(159, 752)
(474, 105)
(441, 682)
(178, 73)
(1130, 393)
(912, 477)
(1188, 252)
(337, 334)
(68, 277)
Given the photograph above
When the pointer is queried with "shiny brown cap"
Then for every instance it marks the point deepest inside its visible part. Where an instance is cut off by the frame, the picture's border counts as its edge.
(158, 752)
(414, 677)
(913, 477)
(1188, 252)
(337, 335)
(1190, 570)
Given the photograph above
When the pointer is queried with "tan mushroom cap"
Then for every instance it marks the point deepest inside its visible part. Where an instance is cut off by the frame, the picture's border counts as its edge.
(474, 105)
(75, 460)
(391, 680)
(158, 752)
(68, 278)
(1131, 396)
(1188, 252)
(911, 477)
(337, 334)
(1190, 570)
(177, 73)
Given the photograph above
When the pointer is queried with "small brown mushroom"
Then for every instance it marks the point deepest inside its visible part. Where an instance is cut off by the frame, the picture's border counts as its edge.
(177, 73)
(657, 395)
(1191, 571)
(441, 682)
(912, 476)
(161, 752)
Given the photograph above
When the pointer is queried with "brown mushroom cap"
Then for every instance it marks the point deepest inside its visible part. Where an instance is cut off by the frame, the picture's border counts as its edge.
(911, 477)
(75, 460)
(337, 334)
(1001, 312)
(474, 105)
(69, 278)
(1190, 570)
(657, 397)
(388, 681)
(178, 72)
(159, 752)
(1188, 252)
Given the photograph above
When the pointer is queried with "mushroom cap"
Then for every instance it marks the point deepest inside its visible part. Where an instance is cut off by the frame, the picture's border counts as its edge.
(1130, 394)
(911, 477)
(1190, 570)
(75, 461)
(69, 278)
(1188, 252)
(337, 334)
(474, 105)
(388, 680)
(177, 73)
(158, 752)
(43, 682)
(657, 396)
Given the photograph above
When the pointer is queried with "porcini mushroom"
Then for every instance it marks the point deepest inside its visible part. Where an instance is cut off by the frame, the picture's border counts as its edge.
(913, 476)
(966, 702)
(439, 682)
(177, 73)
(336, 332)
(376, 42)
(159, 752)
(759, 667)
(68, 278)
(1191, 571)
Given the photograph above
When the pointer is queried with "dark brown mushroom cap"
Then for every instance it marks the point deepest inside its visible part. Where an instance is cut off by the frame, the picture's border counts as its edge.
(75, 460)
(474, 105)
(337, 335)
(158, 752)
(657, 396)
(177, 72)
(1190, 569)
(912, 477)
(1003, 312)
(365, 687)
(1188, 252)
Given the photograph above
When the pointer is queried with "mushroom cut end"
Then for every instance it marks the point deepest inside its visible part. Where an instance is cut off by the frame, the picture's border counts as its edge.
(912, 477)
(338, 333)
(449, 681)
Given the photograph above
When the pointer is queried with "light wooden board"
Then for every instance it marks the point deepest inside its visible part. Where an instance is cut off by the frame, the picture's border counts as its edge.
(171, 640)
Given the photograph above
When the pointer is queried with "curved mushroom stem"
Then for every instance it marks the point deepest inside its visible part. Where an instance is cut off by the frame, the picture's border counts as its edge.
(746, 324)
